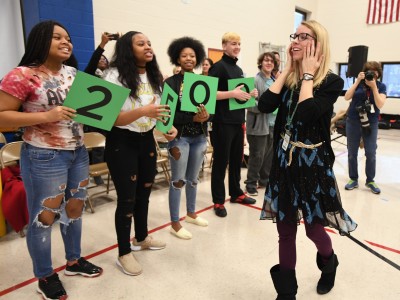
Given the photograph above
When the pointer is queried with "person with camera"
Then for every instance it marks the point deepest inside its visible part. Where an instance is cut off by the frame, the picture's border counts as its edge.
(368, 97)
(97, 66)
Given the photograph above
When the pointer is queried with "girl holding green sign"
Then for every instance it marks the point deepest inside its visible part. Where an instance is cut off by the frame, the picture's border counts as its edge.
(54, 160)
(130, 150)
(188, 149)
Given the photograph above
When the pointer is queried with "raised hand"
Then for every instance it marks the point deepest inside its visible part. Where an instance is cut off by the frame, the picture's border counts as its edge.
(312, 58)
(104, 39)
(289, 66)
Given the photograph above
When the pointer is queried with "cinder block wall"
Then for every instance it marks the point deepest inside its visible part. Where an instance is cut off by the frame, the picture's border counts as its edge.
(75, 15)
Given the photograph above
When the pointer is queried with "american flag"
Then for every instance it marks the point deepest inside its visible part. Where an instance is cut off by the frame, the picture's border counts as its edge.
(383, 11)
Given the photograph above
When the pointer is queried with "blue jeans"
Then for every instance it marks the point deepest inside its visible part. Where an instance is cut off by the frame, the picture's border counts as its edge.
(354, 134)
(185, 167)
(48, 173)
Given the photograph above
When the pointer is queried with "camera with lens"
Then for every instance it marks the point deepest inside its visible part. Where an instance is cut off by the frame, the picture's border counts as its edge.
(369, 75)
(113, 36)
(364, 108)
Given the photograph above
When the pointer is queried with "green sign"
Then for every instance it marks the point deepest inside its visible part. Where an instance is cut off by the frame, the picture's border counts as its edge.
(199, 89)
(169, 97)
(248, 86)
(97, 102)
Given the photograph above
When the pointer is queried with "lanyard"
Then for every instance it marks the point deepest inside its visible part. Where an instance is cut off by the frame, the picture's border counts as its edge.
(289, 117)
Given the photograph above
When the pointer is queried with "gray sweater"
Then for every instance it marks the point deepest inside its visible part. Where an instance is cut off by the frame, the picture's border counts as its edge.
(258, 123)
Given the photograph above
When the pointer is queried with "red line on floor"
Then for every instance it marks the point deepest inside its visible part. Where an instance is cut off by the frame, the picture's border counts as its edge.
(383, 247)
(32, 280)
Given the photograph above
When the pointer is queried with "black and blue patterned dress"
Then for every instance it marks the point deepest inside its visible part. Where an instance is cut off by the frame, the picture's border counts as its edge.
(306, 188)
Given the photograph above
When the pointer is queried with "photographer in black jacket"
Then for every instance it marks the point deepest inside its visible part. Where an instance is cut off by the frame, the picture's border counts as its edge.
(368, 97)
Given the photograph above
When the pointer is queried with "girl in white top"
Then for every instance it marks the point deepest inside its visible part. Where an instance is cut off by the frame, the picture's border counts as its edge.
(130, 147)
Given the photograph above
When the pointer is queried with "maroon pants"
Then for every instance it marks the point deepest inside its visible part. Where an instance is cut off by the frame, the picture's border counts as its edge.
(287, 243)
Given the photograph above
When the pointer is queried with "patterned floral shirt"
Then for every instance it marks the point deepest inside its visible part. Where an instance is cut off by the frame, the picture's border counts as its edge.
(40, 90)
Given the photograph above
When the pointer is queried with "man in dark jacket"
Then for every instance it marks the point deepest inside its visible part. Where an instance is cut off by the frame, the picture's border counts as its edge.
(227, 133)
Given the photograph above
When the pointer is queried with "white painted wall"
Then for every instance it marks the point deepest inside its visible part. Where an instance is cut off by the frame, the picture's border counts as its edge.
(11, 35)
(255, 20)
(207, 20)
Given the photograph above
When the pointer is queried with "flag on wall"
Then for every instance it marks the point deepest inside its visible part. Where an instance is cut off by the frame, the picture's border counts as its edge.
(383, 11)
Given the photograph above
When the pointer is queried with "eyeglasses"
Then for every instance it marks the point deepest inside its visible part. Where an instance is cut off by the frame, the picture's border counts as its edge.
(302, 37)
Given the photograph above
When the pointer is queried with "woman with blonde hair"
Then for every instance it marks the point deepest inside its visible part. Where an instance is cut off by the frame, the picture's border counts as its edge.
(302, 183)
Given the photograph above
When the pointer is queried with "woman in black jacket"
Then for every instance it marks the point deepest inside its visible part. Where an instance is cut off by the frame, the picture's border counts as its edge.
(302, 183)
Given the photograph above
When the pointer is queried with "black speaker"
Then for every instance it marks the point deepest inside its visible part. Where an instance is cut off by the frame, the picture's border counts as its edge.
(357, 58)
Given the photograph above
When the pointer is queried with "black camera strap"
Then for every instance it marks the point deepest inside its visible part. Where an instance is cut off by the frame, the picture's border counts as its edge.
(368, 92)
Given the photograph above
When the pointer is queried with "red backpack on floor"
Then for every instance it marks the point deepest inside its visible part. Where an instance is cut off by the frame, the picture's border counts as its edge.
(13, 199)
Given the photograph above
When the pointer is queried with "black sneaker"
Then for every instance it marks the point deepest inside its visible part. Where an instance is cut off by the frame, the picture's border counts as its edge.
(220, 210)
(252, 191)
(84, 268)
(244, 199)
(51, 288)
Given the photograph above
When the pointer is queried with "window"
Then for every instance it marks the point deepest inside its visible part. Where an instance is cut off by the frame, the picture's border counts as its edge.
(299, 16)
(348, 82)
(391, 78)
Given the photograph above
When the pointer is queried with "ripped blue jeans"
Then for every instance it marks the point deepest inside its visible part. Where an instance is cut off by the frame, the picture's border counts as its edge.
(48, 174)
(186, 156)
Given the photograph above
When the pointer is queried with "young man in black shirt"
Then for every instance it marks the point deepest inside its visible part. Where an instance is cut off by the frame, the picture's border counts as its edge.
(227, 134)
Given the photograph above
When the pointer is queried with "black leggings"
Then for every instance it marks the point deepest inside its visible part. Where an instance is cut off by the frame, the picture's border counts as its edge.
(131, 158)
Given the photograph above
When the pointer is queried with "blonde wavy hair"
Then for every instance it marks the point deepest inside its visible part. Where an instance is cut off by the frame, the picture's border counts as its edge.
(322, 37)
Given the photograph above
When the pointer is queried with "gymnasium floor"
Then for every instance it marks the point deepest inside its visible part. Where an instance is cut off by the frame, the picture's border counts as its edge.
(231, 258)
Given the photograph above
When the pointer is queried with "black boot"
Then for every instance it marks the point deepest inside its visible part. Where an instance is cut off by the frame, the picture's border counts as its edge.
(285, 283)
(327, 280)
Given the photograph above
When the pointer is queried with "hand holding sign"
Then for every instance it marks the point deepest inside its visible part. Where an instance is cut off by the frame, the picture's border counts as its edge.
(197, 90)
(159, 112)
(168, 99)
(243, 89)
(202, 114)
(171, 134)
(97, 102)
(60, 113)
(241, 93)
